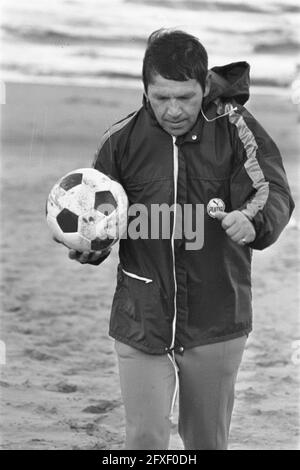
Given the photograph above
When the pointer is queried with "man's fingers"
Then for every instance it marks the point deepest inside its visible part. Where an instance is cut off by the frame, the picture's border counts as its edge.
(225, 219)
(72, 254)
(95, 255)
(82, 257)
(220, 215)
(237, 237)
(85, 256)
(233, 231)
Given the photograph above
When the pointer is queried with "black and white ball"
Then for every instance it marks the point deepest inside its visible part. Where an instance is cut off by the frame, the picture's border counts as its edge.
(87, 210)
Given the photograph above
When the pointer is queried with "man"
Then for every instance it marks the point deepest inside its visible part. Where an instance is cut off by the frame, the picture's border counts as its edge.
(181, 316)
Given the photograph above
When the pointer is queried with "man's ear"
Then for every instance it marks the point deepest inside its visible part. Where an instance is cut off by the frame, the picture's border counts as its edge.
(207, 84)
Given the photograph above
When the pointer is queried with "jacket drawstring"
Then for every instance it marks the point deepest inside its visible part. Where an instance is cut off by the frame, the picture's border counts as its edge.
(171, 356)
(217, 117)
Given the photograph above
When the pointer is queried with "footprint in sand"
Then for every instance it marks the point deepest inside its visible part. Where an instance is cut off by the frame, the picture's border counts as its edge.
(61, 387)
(251, 394)
(46, 410)
(4, 384)
(89, 428)
(14, 308)
(271, 363)
(103, 406)
(38, 355)
(96, 446)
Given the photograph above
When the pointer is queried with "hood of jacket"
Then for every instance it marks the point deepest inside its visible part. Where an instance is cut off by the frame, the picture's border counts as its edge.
(229, 81)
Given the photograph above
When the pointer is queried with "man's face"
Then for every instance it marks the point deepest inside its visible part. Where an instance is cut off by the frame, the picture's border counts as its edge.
(176, 105)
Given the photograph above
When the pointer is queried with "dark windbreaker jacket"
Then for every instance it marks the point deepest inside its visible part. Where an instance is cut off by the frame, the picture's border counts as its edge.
(169, 298)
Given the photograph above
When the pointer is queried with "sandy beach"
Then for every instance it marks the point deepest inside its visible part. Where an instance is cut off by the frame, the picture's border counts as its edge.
(59, 388)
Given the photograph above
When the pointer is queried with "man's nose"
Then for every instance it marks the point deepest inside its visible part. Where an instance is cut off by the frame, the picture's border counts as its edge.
(174, 111)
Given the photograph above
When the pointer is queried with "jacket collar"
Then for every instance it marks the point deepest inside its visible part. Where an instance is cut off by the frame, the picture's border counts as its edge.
(193, 136)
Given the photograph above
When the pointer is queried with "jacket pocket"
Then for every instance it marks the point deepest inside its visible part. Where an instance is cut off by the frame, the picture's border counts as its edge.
(135, 296)
(135, 276)
(137, 311)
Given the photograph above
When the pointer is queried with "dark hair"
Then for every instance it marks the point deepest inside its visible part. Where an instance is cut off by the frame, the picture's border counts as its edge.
(174, 55)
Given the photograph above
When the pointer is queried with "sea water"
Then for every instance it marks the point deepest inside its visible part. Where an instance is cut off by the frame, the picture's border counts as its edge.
(101, 42)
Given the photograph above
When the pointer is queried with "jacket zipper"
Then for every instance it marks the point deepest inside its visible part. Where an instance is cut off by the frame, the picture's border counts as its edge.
(134, 276)
(175, 175)
(171, 354)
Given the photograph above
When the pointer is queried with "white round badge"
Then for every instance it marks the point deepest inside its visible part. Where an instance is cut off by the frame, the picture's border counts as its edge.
(215, 205)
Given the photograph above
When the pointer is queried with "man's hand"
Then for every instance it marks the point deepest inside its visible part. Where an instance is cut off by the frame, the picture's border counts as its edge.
(86, 256)
(237, 226)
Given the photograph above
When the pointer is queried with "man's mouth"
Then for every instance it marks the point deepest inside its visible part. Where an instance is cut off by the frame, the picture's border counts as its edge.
(176, 123)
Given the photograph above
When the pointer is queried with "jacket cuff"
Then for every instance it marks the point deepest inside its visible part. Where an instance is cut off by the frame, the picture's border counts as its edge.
(246, 213)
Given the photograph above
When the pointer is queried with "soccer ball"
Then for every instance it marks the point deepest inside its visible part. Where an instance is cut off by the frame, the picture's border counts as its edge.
(87, 210)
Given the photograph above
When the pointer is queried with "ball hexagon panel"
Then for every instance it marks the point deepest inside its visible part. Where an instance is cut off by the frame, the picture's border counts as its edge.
(54, 227)
(77, 242)
(52, 208)
(79, 199)
(113, 228)
(87, 224)
(55, 198)
(109, 227)
(97, 181)
(67, 221)
(101, 227)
